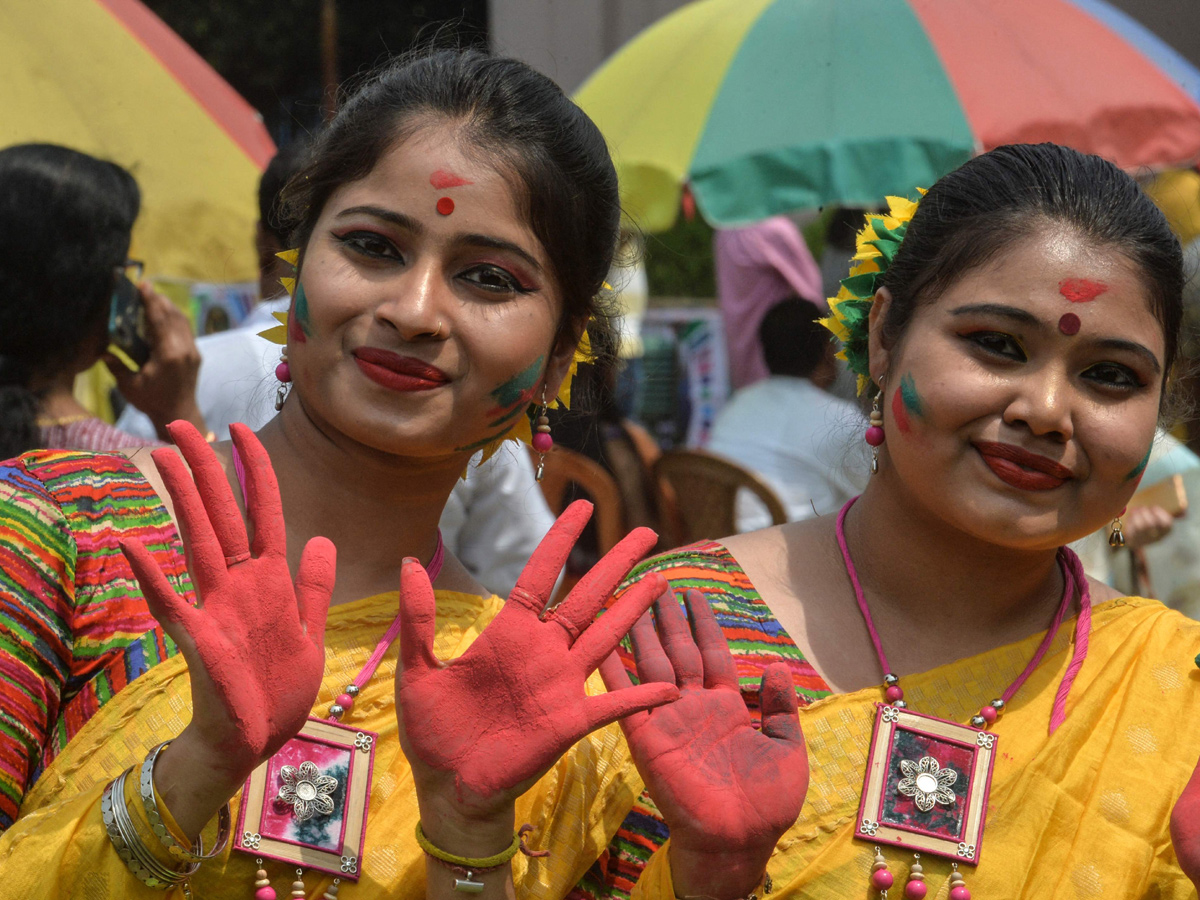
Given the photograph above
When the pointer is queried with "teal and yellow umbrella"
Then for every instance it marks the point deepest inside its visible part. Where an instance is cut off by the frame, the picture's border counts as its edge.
(770, 106)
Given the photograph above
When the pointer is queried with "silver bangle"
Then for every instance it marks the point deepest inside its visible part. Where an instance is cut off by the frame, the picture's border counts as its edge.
(194, 854)
(124, 837)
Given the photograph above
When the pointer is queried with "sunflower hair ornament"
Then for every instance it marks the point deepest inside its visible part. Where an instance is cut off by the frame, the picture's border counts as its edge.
(876, 246)
(522, 429)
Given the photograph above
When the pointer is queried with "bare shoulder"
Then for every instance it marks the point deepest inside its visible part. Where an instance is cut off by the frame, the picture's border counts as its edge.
(1099, 592)
(779, 559)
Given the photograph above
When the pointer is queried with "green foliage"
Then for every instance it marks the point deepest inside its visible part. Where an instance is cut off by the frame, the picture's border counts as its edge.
(679, 262)
(269, 50)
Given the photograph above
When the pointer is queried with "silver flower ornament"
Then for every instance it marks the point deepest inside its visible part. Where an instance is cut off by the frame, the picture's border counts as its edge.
(307, 790)
(927, 782)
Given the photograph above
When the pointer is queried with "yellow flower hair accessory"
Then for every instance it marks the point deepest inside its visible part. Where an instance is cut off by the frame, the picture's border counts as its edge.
(876, 246)
(278, 334)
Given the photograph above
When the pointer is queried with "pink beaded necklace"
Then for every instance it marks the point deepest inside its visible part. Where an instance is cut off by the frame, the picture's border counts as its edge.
(928, 779)
(307, 805)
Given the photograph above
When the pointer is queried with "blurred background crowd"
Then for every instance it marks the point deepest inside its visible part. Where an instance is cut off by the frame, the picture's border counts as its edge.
(147, 143)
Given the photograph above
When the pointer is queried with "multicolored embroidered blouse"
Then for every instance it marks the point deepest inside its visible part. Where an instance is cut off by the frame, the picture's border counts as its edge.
(756, 639)
(74, 628)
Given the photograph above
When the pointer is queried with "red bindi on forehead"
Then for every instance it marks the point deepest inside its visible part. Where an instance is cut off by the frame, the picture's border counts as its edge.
(1081, 290)
(1069, 324)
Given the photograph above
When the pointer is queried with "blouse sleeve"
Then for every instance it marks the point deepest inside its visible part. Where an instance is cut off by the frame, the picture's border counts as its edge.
(37, 597)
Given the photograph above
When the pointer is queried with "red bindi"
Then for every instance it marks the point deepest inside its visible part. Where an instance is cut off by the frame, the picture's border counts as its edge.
(445, 206)
(1081, 290)
(1069, 324)
(441, 179)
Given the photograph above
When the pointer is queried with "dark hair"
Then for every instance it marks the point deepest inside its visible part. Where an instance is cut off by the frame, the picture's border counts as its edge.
(279, 171)
(793, 341)
(507, 113)
(1015, 191)
(65, 224)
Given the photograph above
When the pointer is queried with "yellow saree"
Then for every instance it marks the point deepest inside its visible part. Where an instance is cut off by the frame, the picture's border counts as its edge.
(1080, 814)
(58, 847)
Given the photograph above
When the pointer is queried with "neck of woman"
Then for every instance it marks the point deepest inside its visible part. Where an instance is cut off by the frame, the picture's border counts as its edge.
(933, 589)
(377, 508)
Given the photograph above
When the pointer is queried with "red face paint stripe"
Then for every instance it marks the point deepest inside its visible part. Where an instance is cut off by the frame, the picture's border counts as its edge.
(1081, 290)
(900, 414)
(441, 179)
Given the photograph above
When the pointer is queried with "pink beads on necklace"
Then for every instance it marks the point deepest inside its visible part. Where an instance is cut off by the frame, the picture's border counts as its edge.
(881, 878)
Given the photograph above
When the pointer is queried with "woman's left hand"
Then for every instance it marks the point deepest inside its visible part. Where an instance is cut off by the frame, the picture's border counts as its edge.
(727, 791)
(479, 730)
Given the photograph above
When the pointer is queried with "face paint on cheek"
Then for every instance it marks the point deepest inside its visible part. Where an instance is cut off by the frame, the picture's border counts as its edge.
(299, 325)
(908, 402)
(900, 414)
(1069, 324)
(514, 395)
(1140, 468)
(1081, 290)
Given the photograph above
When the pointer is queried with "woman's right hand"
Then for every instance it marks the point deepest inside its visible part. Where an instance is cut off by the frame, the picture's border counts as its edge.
(254, 643)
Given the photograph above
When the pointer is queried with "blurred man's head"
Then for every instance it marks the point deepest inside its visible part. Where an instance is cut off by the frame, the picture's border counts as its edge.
(270, 237)
(795, 344)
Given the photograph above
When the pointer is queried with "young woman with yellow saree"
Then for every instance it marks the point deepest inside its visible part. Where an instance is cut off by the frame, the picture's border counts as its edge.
(982, 720)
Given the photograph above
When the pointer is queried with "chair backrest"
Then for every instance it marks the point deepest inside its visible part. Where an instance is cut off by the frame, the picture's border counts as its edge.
(566, 467)
(705, 487)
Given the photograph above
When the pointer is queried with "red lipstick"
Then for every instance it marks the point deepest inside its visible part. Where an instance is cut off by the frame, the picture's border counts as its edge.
(398, 373)
(1022, 469)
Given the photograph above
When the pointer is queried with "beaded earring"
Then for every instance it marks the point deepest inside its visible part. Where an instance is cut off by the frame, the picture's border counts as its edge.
(284, 373)
(915, 889)
(881, 878)
(542, 442)
(875, 435)
(958, 885)
(1116, 538)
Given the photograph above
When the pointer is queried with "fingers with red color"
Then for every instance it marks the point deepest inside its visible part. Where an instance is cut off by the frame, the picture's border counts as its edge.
(652, 662)
(719, 668)
(264, 509)
(213, 487)
(418, 618)
(616, 678)
(678, 643)
(314, 586)
(536, 584)
(173, 612)
(627, 702)
(780, 707)
(206, 557)
(601, 637)
(594, 589)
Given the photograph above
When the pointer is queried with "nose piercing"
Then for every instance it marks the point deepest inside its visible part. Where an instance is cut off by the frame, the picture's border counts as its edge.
(438, 333)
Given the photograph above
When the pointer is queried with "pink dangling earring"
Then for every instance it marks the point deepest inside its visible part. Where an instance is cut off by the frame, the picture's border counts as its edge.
(874, 435)
(284, 373)
(542, 442)
(915, 889)
(958, 885)
(881, 878)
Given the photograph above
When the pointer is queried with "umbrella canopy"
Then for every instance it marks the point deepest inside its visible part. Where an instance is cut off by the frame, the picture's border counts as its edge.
(769, 106)
(111, 79)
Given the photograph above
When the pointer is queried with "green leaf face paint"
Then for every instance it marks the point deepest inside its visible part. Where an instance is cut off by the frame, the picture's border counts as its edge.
(514, 395)
(912, 400)
(299, 325)
(1140, 468)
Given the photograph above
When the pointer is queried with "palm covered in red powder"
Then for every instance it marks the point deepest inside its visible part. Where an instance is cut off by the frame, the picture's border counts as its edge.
(254, 643)
(484, 726)
(720, 784)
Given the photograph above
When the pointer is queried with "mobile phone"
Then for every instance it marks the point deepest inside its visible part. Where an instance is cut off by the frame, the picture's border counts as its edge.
(127, 321)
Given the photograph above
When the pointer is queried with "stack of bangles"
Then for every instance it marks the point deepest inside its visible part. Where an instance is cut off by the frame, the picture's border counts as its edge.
(469, 868)
(127, 837)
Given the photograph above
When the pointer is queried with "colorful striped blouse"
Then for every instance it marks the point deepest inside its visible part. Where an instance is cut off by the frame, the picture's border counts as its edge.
(74, 628)
(756, 639)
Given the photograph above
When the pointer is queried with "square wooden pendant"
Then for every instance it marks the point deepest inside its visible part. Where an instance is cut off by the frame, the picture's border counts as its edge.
(927, 785)
(307, 804)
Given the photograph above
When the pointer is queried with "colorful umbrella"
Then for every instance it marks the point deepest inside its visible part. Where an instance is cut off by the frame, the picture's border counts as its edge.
(769, 106)
(109, 78)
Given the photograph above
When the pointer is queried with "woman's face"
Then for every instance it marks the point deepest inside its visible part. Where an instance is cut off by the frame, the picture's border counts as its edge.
(1021, 405)
(426, 314)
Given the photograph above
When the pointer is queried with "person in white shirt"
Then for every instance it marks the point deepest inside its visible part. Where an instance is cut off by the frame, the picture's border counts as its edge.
(495, 516)
(788, 429)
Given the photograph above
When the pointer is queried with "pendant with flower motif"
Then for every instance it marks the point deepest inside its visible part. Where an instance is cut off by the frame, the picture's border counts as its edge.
(927, 783)
(308, 790)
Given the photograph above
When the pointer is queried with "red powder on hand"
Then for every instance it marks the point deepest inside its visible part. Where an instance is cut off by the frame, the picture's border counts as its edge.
(441, 179)
(1081, 290)
(1069, 324)
(445, 206)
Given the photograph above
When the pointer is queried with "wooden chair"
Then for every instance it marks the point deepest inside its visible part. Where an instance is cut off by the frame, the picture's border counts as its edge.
(705, 488)
(566, 467)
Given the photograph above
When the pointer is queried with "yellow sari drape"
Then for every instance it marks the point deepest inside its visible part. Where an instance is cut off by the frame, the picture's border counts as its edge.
(1080, 815)
(58, 847)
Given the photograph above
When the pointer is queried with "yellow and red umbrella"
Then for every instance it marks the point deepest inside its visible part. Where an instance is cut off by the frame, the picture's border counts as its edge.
(108, 77)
